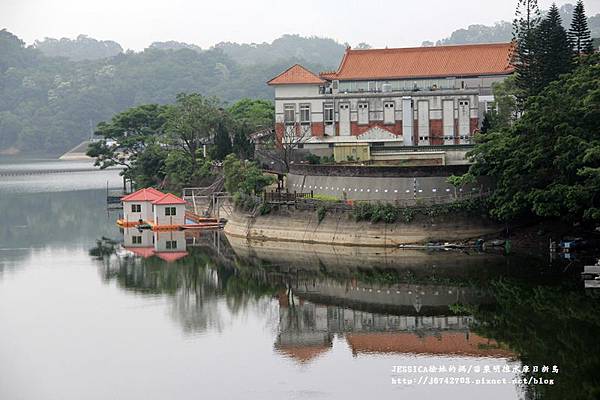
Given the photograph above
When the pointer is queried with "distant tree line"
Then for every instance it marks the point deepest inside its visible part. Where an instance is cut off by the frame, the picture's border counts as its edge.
(50, 104)
(502, 31)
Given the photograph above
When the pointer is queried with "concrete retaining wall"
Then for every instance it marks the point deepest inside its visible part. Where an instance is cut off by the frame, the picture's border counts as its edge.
(381, 183)
(340, 229)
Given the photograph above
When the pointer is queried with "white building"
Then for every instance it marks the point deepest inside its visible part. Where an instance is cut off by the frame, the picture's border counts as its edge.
(137, 206)
(169, 210)
(392, 97)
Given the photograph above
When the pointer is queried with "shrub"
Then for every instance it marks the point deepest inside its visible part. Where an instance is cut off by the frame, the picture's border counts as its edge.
(313, 159)
(321, 212)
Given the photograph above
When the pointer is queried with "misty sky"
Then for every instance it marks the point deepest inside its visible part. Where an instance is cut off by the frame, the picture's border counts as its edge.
(137, 23)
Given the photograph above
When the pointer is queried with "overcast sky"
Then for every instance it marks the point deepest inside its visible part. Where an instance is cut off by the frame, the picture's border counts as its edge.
(137, 23)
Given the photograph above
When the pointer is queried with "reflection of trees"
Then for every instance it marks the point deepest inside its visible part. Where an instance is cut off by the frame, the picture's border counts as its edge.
(549, 325)
(198, 285)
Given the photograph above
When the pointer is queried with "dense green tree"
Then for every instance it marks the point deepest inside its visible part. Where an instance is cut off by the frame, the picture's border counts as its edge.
(254, 113)
(191, 123)
(548, 163)
(222, 146)
(149, 168)
(180, 172)
(579, 33)
(525, 24)
(242, 145)
(126, 136)
(505, 96)
(486, 124)
(553, 55)
(244, 177)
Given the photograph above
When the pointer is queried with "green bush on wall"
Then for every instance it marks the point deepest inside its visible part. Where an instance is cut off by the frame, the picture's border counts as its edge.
(390, 213)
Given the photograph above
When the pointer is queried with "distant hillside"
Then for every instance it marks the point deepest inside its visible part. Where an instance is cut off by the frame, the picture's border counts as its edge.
(82, 48)
(313, 49)
(502, 31)
(173, 45)
(47, 104)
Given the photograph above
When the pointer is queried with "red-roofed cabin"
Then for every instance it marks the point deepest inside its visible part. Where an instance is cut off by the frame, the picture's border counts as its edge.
(169, 210)
(392, 97)
(137, 206)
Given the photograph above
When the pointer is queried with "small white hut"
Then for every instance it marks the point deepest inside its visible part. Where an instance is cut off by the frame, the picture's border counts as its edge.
(137, 206)
(169, 210)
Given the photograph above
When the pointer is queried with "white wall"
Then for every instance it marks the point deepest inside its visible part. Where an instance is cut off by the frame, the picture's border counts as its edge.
(296, 91)
(161, 238)
(145, 214)
(161, 219)
(129, 233)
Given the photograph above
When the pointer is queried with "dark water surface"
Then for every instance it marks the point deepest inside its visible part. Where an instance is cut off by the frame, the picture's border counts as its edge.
(84, 314)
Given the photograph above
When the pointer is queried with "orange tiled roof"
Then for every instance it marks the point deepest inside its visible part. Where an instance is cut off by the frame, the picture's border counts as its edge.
(425, 62)
(169, 198)
(149, 194)
(449, 343)
(302, 354)
(144, 252)
(171, 256)
(296, 74)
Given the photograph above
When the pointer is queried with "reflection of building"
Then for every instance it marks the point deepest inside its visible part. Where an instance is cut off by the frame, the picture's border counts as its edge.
(400, 319)
(167, 245)
(138, 241)
(405, 298)
(306, 331)
(443, 343)
(170, 245)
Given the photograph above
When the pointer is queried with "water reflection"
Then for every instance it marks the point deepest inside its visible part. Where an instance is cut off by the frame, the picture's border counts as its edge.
(401, 302)
(201, 272)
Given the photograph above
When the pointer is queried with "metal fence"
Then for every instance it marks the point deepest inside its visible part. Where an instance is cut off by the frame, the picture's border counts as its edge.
(306, 201)
(285, 197)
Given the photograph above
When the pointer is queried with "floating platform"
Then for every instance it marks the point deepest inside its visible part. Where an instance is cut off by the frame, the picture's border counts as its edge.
(128, 224)
(211, 223)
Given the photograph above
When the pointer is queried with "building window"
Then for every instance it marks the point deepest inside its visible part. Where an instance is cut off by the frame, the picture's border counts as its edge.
(305, 114)
(171, 244)
(328, 113)
(388, 112)
(170, 211)
(363, 113)
(289, 114)
(490, 106)
(136, 239)
(136, 208)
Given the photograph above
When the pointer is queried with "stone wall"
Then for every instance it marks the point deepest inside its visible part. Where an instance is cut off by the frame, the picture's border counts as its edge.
(339, 229)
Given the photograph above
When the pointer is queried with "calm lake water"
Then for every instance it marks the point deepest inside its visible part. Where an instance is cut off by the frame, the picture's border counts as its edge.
(85, 314)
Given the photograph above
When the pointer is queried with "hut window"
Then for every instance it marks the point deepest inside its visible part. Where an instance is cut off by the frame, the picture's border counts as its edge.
(136, 208)
(171, 244)
(170, 211)
(136, 239)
